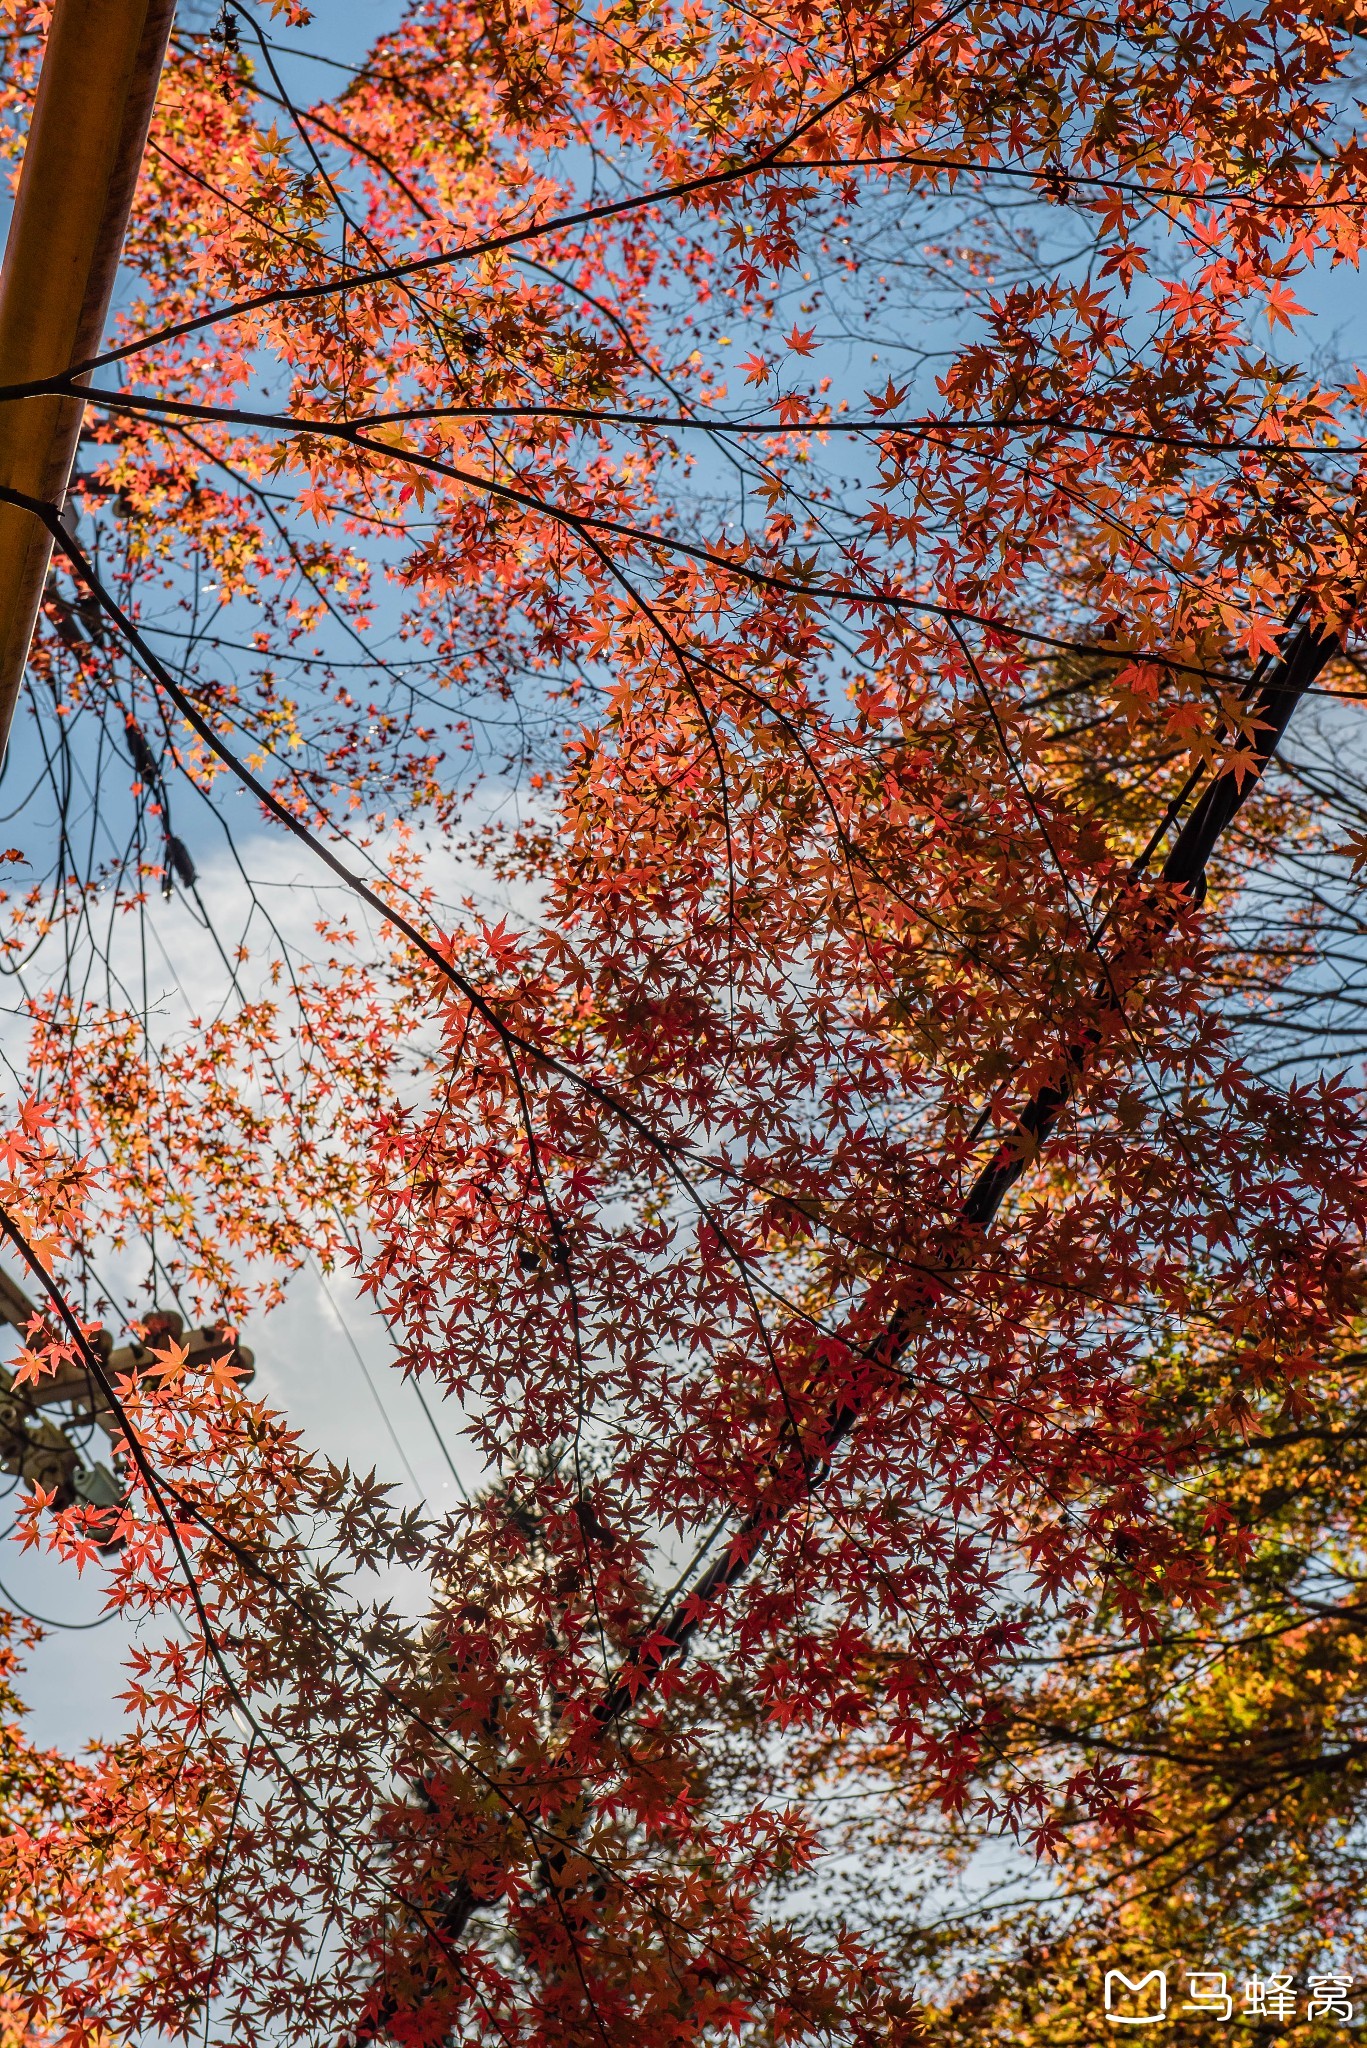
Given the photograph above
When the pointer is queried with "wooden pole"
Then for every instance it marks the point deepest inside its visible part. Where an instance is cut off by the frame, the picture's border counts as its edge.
(85, 143)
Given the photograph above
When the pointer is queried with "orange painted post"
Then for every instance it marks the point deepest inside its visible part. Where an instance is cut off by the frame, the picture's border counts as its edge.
(85, 143)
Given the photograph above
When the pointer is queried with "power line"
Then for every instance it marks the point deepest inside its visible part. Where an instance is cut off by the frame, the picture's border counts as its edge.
(46, 1621)
(344, 1327)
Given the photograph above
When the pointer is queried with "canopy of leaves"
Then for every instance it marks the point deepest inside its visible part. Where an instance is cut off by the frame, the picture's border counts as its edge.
(730, 781)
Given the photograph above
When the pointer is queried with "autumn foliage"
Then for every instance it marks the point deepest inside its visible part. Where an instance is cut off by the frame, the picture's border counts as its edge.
(725, 544)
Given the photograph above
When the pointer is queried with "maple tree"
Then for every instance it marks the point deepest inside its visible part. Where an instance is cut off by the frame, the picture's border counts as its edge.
(851, 1198)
